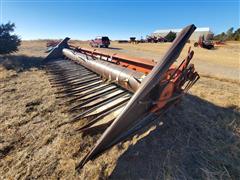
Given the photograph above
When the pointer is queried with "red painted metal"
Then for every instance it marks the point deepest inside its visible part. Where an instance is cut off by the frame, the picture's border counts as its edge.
(143, 65)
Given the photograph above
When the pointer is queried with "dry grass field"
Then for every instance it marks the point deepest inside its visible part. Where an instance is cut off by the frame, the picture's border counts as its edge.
(197, 139)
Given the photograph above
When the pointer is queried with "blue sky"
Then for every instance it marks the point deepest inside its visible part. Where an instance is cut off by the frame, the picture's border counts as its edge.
(85, 19)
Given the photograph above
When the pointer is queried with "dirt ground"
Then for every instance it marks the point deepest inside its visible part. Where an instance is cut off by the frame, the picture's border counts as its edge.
(222, 62)
(197, 139)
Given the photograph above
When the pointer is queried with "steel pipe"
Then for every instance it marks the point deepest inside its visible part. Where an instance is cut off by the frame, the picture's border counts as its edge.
(126, 78)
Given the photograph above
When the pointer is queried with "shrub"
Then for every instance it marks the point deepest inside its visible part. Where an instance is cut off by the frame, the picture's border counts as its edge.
(8, 42)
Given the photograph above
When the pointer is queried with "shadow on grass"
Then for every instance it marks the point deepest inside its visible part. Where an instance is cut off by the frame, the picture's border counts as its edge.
(198, 140)
(114, 48)
(20, 63)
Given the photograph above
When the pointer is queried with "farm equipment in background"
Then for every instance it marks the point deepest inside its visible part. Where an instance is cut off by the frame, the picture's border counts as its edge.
(207, 44)
(123, 41)
(219, 43)
(133, 40)
(117, 95)
(100, 41)
(154, 39)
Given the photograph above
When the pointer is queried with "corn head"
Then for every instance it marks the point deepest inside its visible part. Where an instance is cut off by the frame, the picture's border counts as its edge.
(117, 95)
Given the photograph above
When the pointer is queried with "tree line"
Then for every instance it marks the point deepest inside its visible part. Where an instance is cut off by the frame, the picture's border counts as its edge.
(229, 35)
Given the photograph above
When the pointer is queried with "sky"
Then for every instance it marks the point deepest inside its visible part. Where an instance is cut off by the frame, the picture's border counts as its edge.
(86, 19)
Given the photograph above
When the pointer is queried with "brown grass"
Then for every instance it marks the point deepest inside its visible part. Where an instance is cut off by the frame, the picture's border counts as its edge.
(198, 139)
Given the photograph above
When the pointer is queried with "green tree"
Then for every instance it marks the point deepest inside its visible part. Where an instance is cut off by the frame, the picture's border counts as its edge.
(220, 37)
(9, 42)
(230, 33)
(170, 36)
(236, 35)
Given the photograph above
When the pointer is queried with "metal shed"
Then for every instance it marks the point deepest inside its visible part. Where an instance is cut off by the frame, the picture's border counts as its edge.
(204, 31)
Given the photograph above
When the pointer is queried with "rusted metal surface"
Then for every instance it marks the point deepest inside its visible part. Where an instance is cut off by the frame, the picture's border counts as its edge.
(115, 93)
(138, 64)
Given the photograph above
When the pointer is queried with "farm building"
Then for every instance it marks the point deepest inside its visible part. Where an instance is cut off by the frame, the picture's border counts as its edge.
(198, 32)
